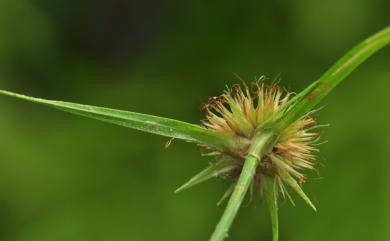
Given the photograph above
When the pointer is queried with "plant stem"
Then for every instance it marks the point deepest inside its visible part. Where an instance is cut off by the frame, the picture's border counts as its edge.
(260, 146)
(271, 196)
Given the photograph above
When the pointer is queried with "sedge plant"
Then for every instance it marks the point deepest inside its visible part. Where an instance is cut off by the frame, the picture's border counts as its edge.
(260, 136)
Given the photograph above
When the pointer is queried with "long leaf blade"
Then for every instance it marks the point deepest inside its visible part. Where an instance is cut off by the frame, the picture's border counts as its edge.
(314, 93)
(147, 123)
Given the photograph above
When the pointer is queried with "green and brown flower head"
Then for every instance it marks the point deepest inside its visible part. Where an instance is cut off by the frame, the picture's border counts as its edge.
(241, 112)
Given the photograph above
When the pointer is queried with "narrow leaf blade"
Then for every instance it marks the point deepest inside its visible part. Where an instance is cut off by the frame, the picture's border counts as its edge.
(286, 192)
(147, 123)
(295, 186)
(214, 170)
(227, 193)
(314, 93)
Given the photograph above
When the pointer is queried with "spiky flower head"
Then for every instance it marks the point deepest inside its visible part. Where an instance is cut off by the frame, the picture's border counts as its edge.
(243, 111)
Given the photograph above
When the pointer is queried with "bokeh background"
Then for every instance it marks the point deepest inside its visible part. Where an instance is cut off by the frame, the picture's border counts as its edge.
(67, 178)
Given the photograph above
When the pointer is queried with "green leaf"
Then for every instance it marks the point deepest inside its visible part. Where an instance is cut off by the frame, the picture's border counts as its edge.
(148, 123)
(285, 193)
(271, 196)
(219, 168)
(295, 186)
(227, 194)
(314, 93)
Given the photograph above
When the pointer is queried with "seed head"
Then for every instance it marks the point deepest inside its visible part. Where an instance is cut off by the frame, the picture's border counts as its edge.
(243, 111)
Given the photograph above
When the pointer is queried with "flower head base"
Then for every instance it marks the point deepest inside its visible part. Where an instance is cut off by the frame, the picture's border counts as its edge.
(242, 112)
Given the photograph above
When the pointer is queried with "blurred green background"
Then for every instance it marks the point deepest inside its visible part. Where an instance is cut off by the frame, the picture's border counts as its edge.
(67, 178)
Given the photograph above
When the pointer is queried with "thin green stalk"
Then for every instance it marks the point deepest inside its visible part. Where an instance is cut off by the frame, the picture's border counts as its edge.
(261, 145)
(271, 196)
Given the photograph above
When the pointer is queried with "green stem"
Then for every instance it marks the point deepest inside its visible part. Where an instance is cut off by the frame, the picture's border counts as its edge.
(261, 145)
(271, 196)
